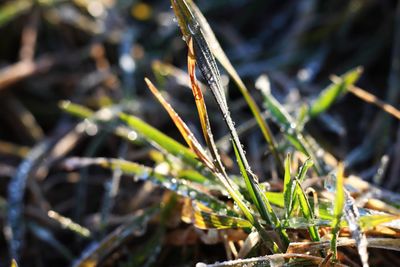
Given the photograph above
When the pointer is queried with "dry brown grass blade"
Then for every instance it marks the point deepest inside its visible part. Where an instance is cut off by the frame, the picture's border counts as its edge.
(314, 248)
(18, 71)
(370, 98)
(201, 108)
(182, 127)
(220, 55)
(13, 149)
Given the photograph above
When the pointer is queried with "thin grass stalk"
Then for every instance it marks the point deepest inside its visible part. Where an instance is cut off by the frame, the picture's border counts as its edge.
(187, 11)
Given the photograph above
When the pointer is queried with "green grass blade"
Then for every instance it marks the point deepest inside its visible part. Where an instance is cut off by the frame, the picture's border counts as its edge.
(299, 177)
(328, 96)
(338, 209)
(76, 110)
(299, 198)
(371, 221)
(205, 219)
(12, 9)
(251, 188)
(303, 169)
(144, 173)
(307, 211)
(276, 198)
(160, 140)
(259, 199)
(151, 134)
(287, 187)
(289, 127)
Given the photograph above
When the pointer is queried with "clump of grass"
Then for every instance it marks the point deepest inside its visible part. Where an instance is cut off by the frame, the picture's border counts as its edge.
(257, 208)
(312, 211)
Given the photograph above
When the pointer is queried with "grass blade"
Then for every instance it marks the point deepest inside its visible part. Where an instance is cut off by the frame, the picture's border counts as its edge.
(352, 215)
(305, 206)
(288, 125)
(371, 221)
(160, 140)
(152, 135)
(328, 96)
(16, 192)
(194, 25)
(12, 9)
(208, 67)
(292, 259)
(202, 110)
(338, 210)
(260, 200)
(145, 173)
(369, 98)
(205, 219)
(288, 189)
(94, 254)
(182, 127)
